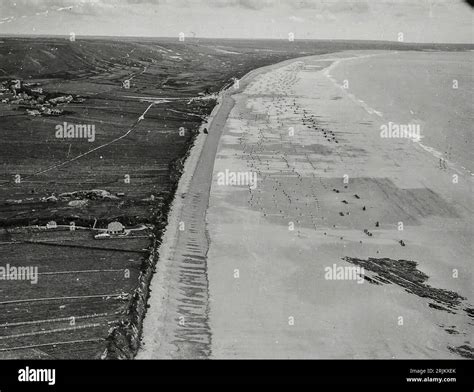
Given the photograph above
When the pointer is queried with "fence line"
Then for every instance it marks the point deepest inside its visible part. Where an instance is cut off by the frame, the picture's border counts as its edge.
(51, 344)
(85, 246)
(80, 271)
(20, 335)
(53, 320)
(59, 298)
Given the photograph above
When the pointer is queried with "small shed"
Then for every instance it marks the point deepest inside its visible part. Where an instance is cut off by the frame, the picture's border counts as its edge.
(52, 225)
(115, 228)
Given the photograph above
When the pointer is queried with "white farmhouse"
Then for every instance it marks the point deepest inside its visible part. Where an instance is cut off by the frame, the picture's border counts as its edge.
(52, 225)
(115, 228)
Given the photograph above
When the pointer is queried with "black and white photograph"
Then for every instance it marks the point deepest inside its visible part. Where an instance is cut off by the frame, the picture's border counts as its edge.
(208, 184)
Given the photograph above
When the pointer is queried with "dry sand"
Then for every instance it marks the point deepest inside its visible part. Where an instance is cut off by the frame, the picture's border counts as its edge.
(267, 289)
(176, 323)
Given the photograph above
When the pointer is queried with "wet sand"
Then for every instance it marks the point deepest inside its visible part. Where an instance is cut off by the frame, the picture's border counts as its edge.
(333, 192)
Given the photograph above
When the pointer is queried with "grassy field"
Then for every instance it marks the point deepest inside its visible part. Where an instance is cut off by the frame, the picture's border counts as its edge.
(91, 294)
(80, 293)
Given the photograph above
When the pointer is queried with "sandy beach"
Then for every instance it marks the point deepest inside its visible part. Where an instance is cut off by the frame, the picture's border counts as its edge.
(176, 324)
(243, 270)
(332, 192)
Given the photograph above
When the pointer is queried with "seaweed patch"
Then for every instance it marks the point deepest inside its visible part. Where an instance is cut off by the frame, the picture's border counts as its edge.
(405, 274)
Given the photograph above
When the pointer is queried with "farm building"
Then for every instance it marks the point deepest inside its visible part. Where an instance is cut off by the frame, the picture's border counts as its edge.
(51, 225)
(33, 112)
(115, 228)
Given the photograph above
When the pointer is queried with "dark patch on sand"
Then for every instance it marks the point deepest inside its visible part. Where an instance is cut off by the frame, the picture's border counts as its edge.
(465, 351)
(434, 306)
(418, 202)
(319, 149)
(450, 329)
(405, 274)
(469, 312)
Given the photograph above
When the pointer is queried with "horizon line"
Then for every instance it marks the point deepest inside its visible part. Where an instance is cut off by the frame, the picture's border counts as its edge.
(86, 36)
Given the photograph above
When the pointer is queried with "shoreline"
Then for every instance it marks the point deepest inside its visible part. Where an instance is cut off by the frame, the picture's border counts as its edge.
(165, 333)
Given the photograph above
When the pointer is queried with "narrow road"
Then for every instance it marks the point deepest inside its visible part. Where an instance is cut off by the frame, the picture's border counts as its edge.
(130, 130)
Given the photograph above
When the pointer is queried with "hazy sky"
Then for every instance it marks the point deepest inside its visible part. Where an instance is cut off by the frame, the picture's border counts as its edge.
(418, 20)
